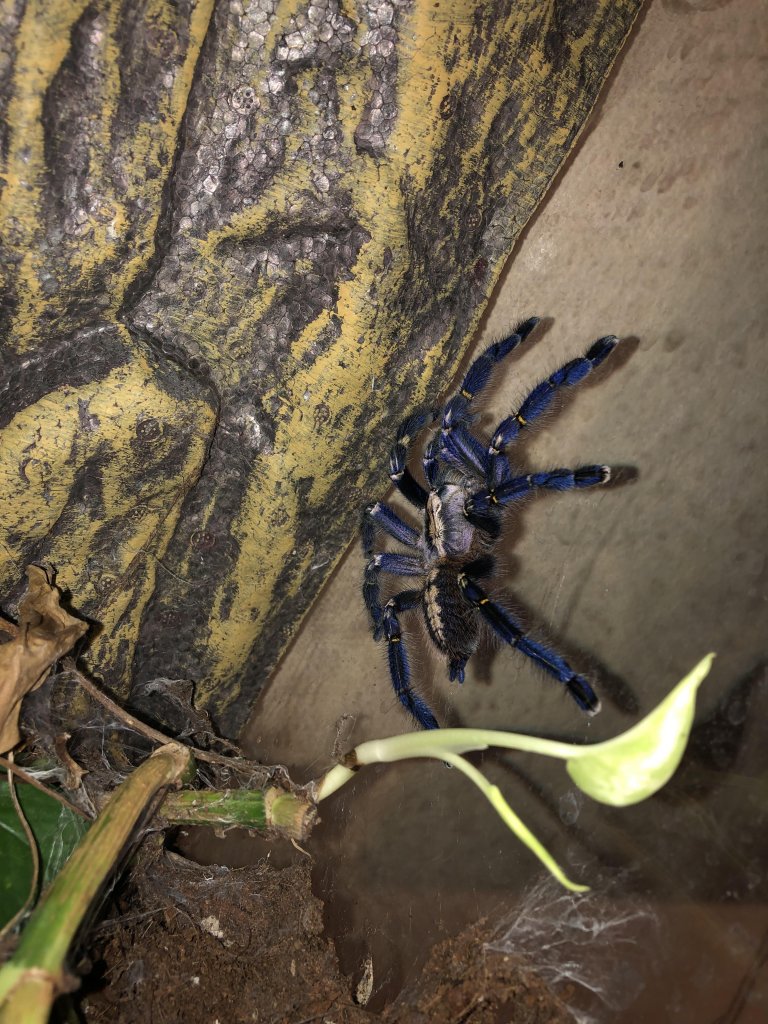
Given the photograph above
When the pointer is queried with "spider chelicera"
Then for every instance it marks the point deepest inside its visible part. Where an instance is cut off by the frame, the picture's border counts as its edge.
(470, 486)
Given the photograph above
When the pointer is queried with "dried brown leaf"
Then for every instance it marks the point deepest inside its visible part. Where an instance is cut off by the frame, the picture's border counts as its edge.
(74, 773)
(46, 632)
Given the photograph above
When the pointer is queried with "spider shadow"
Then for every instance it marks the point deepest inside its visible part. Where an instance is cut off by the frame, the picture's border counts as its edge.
(610, 686)
(717, 744)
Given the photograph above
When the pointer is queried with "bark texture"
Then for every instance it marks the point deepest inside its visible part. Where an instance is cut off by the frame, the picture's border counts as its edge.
(240, 238)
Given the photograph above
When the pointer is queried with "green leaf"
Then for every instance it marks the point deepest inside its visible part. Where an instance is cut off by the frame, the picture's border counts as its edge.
(619, 772)
(57, 830)
(635, 765)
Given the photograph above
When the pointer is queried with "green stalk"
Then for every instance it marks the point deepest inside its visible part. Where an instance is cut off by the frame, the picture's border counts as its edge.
(270, 809)
(35, 975)
(494, 796)
(622, 771)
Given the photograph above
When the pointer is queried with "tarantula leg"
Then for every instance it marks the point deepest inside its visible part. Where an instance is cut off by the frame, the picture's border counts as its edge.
(465, 451)
(399, 669)
(372, 598)
(541, 397)
(488, 522)
(407, 484)
(405, 601)
(480, 567)
(479, 373)
(512, 633)
(564, 479)
(519, 487)
(397, 564)
(381, 515)
(399, 473)
(430, 461)
(385, 561)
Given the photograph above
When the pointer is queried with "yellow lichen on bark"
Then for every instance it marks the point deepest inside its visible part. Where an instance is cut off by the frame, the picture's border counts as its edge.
(210, 233)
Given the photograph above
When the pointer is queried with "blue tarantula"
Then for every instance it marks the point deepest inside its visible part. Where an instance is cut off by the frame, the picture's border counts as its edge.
(471, 484)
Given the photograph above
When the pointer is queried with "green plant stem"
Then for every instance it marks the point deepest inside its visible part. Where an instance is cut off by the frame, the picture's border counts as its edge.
(438, 744)
(494, 796)
(640, 760)
(35, 975)
(618, 772)
(270, 809)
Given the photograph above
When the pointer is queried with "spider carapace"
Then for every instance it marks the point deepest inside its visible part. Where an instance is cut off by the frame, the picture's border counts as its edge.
(470, 486)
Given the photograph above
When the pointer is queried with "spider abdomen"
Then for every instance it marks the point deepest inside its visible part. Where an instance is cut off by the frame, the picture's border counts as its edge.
(450, 619)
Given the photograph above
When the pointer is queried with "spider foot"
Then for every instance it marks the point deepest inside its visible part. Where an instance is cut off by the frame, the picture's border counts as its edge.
(456, 669)
(583, 694)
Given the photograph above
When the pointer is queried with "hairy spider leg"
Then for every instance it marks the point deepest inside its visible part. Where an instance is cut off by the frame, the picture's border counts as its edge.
(398, 565)
(399, 669)
(539, 400)
(502, 623)
(463, 450)
(399, 473)
(431, 464)
(385, 561)
(381, 516)
(479, 373)
(459, 446)
(519, 487)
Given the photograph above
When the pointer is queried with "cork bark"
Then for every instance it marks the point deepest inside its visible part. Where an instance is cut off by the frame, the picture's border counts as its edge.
(239, 241)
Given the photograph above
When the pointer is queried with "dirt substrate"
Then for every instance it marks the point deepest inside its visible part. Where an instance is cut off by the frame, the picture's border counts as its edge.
(207, 944)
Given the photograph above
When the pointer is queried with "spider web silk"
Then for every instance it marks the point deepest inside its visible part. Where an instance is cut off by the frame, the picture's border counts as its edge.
(587, 939)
